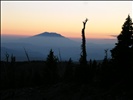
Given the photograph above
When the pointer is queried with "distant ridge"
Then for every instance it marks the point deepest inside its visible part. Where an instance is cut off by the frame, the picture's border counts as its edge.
(49, 34)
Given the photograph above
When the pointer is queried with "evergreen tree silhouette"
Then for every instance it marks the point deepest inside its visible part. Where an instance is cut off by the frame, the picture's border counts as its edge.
(105, 60)
(122, 52)
(51, 63)
(51, 59)
(83, 55)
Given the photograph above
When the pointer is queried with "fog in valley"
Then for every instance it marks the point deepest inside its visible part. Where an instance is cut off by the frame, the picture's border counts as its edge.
(38, 47)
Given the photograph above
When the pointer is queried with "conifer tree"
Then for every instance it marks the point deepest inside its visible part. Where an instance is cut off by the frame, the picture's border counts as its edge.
(51, 60)
(51, 63)
(122, 52)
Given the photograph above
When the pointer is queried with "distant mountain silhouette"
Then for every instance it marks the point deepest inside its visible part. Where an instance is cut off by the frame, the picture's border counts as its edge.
(38, 47)
(49, 34)
(50, 39)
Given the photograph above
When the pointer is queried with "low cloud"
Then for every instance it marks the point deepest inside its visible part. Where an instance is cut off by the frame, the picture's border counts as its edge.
(113, 35)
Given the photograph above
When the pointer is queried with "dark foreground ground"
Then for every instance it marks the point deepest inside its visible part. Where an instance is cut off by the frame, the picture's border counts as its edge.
(68, 91)
(32, 83)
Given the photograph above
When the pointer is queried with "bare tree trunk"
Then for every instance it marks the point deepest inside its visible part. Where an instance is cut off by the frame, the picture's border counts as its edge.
(7, 57)
(27, 55)
(83, 59)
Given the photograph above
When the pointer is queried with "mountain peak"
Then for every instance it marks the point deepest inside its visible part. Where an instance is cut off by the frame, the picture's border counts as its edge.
(49, 34)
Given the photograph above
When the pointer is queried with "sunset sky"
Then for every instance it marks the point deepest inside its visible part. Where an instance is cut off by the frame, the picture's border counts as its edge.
(29, 18)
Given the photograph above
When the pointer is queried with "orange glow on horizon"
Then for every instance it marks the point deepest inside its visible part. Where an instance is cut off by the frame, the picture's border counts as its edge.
(91, 31)
(93, 36)
(31, 18)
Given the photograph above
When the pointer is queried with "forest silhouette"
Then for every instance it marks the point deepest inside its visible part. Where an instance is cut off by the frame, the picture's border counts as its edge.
(110, 79)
